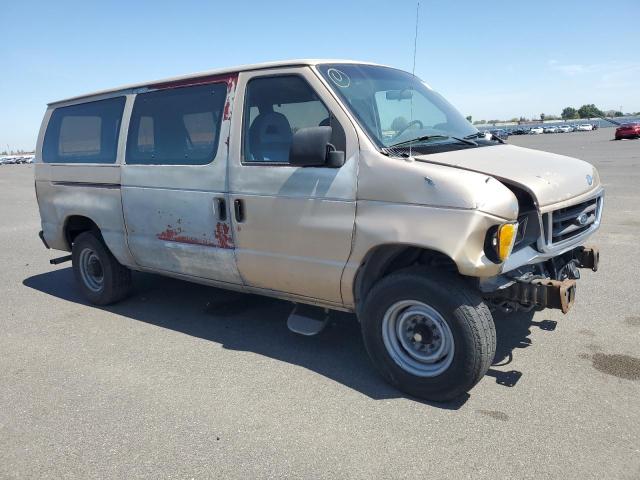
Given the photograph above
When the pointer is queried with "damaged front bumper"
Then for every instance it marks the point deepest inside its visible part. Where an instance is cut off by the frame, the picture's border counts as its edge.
(552, 285)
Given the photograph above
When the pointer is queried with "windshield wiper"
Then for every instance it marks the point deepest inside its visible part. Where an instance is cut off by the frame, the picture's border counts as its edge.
(480, 134)
(474, 135)
(465, 140)
(425, 138)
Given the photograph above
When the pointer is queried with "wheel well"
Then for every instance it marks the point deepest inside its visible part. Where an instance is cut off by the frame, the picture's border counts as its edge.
(386, 259)
(77, 224)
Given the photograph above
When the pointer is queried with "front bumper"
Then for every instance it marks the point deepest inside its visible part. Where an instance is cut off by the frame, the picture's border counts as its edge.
(533, 292)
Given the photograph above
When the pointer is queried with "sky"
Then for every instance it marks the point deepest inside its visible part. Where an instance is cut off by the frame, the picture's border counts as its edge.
(492, 59)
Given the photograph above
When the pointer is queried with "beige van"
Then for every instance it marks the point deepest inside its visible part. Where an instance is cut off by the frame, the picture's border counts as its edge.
(336, 185)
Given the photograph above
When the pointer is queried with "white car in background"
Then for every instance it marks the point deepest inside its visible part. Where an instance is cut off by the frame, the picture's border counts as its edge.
(585, 127)
(536, 131)
(564, 129)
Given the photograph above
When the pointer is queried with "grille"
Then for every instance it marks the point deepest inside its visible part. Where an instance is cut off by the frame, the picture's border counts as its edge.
(570, 222)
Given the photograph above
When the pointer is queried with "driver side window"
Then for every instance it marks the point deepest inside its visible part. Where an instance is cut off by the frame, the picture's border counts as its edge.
(277, 107)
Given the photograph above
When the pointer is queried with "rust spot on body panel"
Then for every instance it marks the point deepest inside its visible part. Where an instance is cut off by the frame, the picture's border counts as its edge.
(176, 235)
(223, 235)
(231, 84)
(227, 110)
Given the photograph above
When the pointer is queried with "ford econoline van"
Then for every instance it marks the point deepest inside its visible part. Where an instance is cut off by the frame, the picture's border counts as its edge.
(336, 185)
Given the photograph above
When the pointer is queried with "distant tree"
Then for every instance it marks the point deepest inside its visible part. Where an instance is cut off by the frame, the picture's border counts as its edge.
(479, 122)
(589, 110)
(523, 119)
(551, 117)
(618, 114)
(542, 117)
(569, 113)
(513, 120)
(493, 121)
(470, 119)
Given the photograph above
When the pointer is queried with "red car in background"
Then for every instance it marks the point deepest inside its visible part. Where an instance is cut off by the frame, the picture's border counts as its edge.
(628, 130)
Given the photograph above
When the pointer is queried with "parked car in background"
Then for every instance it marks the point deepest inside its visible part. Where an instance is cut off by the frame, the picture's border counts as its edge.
(500, 133)
(536, 131)
(628, 130)
(16, 159)
(564, 129)
(550, 129)
(585, 127)
(520, 131)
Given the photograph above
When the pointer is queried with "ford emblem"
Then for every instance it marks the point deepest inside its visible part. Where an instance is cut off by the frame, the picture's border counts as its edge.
(582, 219)
(589, 179)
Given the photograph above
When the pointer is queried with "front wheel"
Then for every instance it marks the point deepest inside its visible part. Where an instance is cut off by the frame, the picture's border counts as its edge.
(428, 333)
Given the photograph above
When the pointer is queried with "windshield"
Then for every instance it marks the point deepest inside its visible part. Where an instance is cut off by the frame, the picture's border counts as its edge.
(394, 106)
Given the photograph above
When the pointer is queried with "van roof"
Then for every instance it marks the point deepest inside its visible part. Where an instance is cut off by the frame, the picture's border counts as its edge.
(209, 73)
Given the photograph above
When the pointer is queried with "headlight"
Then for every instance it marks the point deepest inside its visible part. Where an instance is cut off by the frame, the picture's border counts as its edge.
(500, 240)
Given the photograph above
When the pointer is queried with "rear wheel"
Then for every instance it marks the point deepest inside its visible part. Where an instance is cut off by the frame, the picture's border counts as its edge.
(103, 280)
(428, 333)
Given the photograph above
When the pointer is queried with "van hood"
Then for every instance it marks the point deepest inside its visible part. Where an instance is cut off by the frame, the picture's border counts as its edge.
(551, 178)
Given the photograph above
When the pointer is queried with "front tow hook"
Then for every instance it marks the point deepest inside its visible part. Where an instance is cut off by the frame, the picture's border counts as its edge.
(540, 293)
(588, 257)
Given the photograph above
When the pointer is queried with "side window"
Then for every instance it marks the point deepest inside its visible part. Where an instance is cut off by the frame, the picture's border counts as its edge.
(277, 107)
(179, 126)
(84, 133)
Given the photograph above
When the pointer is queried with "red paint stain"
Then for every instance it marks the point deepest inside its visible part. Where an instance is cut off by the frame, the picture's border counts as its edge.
(223, 238)
(227, 109)
(175, 235)
(223, 235)
(231, 85)
(229, 79)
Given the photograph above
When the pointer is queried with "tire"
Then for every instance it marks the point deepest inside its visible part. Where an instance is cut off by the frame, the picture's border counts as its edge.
(444, 308)
(102, 279)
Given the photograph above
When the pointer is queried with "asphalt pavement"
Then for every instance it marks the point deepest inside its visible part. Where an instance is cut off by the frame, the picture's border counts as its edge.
(186, 381)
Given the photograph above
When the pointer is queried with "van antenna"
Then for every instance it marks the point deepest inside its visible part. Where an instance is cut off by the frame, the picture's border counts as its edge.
(413, 72)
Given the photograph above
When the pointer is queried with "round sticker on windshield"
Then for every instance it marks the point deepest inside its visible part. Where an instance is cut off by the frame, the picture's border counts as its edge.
(338, 77)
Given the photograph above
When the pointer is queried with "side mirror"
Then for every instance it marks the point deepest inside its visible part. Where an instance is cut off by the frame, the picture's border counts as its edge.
(310, 147)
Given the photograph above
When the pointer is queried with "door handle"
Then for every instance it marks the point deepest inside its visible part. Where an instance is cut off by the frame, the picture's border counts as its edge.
(221, 207)
(238, 208)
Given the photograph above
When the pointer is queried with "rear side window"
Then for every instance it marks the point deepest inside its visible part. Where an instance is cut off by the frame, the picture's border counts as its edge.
(84, 133)
(179, 126)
